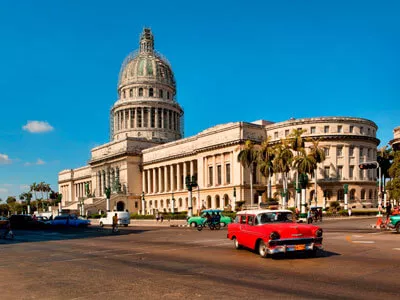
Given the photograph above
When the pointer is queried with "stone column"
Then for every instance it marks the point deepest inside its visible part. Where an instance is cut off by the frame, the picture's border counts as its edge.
(214, 171)
(148, 181)
(184, 174)
(144, 181)
(178, 174)
(159, 179)
(130, 118)
(171, 169)
(165, 179)
(223, 169)
(154, 181)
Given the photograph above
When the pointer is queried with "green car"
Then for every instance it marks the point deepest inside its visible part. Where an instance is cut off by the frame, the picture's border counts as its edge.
(395, 223)
(196, 220)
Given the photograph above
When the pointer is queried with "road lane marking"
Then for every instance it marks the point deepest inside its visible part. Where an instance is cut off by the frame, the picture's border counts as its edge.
(364, 242)
(396, 249)
(357, 236)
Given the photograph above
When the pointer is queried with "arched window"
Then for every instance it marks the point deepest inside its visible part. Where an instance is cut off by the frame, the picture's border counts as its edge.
(208, 201)
(140, 92)
(167, 95)
(362, 194)
(151, 92)
(226, 200)
(217, 201)
(161, 203)
(340, 195)
(131, 93)
(155, 203)
(123, 93)
(352, 195)
(180, 202)
(376, 195)
(370, 194)
(160, 93)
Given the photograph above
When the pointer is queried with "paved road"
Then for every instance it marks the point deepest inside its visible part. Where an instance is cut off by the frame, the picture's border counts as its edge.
(173, 263)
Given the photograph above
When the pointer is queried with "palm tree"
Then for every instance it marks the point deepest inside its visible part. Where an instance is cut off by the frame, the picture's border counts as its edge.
(318, 154)
(282, 163)
(41, 188)
(384, 157)
(266, 156)
(297, 144)
(27, 197)
(305, 164)
(247, 157)
(33, 188)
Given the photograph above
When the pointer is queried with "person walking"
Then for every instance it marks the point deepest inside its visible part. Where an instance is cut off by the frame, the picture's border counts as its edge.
(309, 217)
(349, 211)
(115, 223)
(388, 209)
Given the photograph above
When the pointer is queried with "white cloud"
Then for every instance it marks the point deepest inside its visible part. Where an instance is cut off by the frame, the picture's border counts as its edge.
(3, 190)
(4, 159)
(38, 162)
(24, 187)
(37, 126)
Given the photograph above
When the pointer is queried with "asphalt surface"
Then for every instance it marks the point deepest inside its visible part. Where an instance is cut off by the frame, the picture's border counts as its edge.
(147, 262)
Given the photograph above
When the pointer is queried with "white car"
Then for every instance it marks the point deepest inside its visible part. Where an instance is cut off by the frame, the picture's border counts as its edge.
(124, 218)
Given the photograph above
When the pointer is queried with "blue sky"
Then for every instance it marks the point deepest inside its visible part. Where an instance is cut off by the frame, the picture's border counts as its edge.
(233, 61)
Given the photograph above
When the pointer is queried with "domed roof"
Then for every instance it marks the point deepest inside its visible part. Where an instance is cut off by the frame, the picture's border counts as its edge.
(146, 64)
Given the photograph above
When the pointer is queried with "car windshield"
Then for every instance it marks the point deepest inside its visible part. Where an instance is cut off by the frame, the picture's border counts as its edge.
(275, 217)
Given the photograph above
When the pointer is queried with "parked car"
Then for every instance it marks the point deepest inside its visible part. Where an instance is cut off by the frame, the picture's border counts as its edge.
(43, 219)
(274, 231)
(394, 222)
(196, 220)
(124, 218)
(70, 220)
(25, 222)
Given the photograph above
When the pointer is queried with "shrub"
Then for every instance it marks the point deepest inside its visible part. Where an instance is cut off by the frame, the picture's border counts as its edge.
(96, 216)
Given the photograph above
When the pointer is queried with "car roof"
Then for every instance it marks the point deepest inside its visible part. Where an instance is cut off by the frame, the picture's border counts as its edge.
(211, 210)
(260, 211)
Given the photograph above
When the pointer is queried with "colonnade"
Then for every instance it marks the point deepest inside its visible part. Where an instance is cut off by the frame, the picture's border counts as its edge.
(146, 117)
(168, 178)
(80, 189)
(108, 177)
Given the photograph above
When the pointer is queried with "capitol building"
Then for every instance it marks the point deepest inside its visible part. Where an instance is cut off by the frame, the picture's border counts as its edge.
(148, 160)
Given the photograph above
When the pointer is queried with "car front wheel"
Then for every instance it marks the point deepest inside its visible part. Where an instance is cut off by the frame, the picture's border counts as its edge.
(236, 244)
(193, 224)
(262, 249)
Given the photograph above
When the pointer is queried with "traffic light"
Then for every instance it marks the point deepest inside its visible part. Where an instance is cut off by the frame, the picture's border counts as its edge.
(368, 165)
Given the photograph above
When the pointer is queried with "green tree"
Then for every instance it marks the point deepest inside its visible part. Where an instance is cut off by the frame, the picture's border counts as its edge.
(247, 158)
(305, 164)
(282, 164)
(266, 155)
(393, 186)
(27, 196)
(297, 143)
(318, 153)
(34, 189)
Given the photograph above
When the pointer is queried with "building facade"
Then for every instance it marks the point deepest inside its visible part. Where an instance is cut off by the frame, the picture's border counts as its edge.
(147, 162)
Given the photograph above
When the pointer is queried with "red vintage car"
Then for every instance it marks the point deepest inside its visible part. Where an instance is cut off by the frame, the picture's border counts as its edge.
(274, 231)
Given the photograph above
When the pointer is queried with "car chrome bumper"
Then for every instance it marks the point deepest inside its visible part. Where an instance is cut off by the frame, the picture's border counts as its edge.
(293, 248)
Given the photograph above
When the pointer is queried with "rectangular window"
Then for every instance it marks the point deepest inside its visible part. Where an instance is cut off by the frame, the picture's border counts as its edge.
(275, 135)
(326, 151)
(219, 177)
(312, 129)
(139, 117)
(326, 172)
(339, 128)
(361, 130)
(339, 151)
(286, 132)
(210, 175)
(326, 129)
(159, 118)
(136, 204)
(361, 151)
(351, 151)
(160, 93)
(351, 172)
(340, 172)
(361, 174)
(228, 173)
(368, 131)
(153, 118)
(351, 129)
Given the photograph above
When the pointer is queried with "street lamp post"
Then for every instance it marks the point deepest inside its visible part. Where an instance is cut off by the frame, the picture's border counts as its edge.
(346, 190)
(143, 204)
(173, 203)
(198, 200)
(234, 199)
(190, 184)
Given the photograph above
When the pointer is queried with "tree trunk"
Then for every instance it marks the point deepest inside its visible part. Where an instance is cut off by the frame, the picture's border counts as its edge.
(315, 189)
(251, 186)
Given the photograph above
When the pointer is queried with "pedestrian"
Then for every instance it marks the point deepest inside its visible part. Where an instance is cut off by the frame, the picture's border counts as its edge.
(309, 217)
(157, 217)
(115, 223)
(297, 212)
(349, 211)
(162, 218)
(388, 210)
